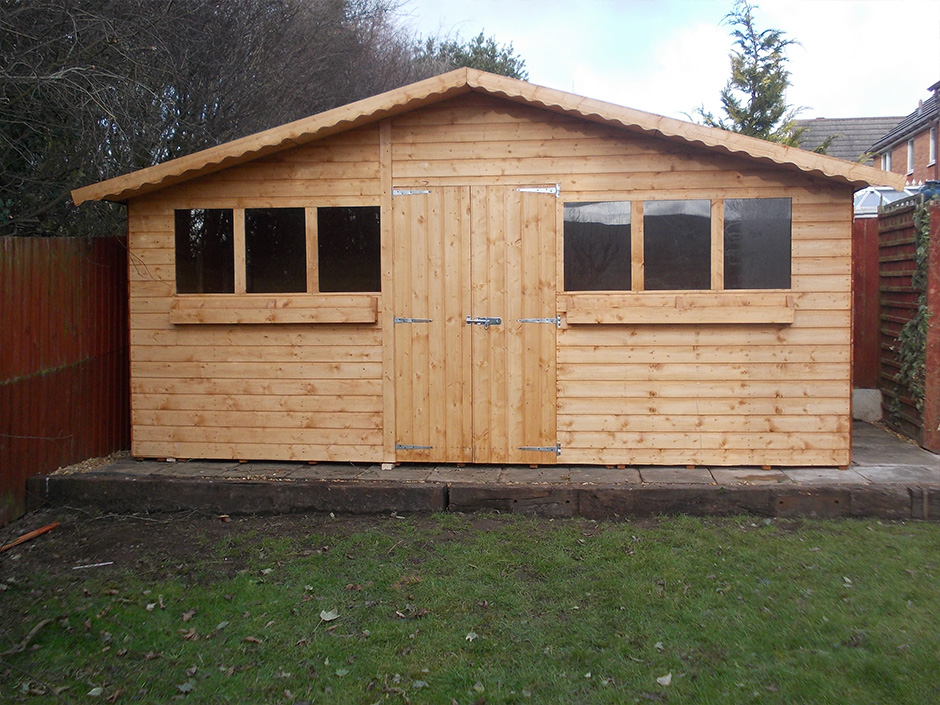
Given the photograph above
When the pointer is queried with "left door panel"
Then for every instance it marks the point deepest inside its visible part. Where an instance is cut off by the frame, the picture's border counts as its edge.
(433, 413)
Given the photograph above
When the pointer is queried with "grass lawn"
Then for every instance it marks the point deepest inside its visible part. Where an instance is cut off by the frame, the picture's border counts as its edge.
(470, 609)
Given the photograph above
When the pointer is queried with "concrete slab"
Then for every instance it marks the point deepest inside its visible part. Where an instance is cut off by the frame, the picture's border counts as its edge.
(677, 475)
(603, 476)
(823, 476)
(874, 446)
(397, 473)
(326, 471)
(469, 473)
(190, 469)
(748, 476)
(516, 475)
(902, 475)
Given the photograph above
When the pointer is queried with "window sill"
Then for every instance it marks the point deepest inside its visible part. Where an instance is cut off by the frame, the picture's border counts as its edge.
(253, 309)
(693, 308)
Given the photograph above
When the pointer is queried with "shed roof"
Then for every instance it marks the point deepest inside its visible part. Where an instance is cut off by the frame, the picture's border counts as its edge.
(456, 83)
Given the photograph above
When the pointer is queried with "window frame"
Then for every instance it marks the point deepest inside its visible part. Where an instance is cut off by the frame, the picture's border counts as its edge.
(886, 161)
(308, 306)
(715, 305)
(910, 156)
(932, 153)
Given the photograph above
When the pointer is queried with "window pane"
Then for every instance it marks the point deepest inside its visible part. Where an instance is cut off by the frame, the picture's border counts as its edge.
(275, 250)
(677, 251)
(205, 253)
(597, 246)
(757, 243)
(349, 248)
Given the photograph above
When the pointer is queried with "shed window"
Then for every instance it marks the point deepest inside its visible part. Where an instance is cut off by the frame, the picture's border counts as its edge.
(205, 252)
(757, 243)
(677, 244)
(597, 246)
(348, 248)
(275, 250)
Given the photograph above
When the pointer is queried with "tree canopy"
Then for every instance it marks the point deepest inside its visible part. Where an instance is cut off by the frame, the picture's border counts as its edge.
(91, 89)
(753, 102)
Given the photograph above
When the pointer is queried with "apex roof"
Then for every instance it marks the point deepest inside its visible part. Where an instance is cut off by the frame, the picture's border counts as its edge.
(458, 82)
(926, 113)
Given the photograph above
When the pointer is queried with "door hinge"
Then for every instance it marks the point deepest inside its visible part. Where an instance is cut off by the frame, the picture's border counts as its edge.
(399, 319)
(409, 191)
(556, 320)
(485, 321)
(554, 190)
(402, 446)
(556, 449)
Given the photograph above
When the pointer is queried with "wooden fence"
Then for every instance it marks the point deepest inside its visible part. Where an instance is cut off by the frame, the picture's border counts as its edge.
(916, 414)
(63, 357)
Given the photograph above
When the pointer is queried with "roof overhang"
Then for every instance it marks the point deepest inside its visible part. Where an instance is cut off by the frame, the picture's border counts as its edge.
(454, 83)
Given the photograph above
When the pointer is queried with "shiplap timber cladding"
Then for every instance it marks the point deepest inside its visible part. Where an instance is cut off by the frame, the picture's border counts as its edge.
(632, 377)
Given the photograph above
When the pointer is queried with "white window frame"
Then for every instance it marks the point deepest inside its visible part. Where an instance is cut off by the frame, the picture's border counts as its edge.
(932, 158)
(886, 161)
(910, 156)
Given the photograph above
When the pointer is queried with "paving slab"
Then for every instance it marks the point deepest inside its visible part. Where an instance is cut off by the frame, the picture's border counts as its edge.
(465, 474)
(516, 475)
(748, 476)
(823, 476)
(677, 475)
(899, 474)
(327, 471)
(399, 473)
(603, 476)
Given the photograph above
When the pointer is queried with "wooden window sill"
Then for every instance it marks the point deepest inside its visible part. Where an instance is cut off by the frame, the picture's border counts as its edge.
(698, 308)
(248, 309)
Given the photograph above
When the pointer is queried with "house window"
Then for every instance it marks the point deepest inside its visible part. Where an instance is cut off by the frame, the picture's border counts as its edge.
(886, 161)
(348, 248)
(205, 252)
(910, 156)
(275, 250)
(597, 246)
(757, 243)
(677, 244)
(933, 146)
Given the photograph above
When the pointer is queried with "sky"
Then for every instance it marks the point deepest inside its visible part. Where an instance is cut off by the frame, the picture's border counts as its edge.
(855, 58)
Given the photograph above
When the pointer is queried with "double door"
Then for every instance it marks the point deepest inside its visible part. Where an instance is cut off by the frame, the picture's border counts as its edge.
(475, 324)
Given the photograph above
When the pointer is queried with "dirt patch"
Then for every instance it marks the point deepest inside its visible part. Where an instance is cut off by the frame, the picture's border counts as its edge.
(92, 463)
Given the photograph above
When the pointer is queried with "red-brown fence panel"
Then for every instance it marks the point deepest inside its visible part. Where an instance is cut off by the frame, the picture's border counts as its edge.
(63, 357)
(914, 412)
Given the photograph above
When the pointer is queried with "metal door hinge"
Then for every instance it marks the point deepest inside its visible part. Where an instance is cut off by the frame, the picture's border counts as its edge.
(556, 449)
(556, 320)
(409, 191)
(399, 319)
(554, 190)
(485, 321)
(402, 446)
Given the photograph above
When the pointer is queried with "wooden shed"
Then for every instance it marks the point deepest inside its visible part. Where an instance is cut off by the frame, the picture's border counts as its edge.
(474, 269)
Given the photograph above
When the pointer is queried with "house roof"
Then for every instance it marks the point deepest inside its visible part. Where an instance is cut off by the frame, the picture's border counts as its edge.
(926, 114)
(456, 83)
(852, 137)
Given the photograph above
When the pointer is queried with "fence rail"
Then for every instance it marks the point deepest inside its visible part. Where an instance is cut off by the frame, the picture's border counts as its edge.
(63, 357)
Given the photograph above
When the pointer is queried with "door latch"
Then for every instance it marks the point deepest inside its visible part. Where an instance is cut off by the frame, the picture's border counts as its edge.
(485, 321)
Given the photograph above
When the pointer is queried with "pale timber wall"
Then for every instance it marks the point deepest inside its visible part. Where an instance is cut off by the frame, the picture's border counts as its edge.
(684, 392)
(681, 393)
(280, 392)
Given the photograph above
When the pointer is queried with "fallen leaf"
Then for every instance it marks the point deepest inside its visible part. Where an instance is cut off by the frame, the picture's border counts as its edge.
(151, 606)
(353, 587)
(665, 680)
(252, 640)
(342, 672)
(191, 671)
(115, 695)
(329, 616)
(418, 685)
(471, 636)
(96, 692)
(186, 687)
(478, 687)
(188, 615)
(659, 646)
(267, 571)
